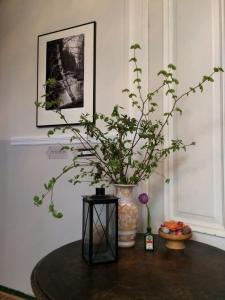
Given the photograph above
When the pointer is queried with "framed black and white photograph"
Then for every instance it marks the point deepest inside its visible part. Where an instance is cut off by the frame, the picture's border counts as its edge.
(66, 74)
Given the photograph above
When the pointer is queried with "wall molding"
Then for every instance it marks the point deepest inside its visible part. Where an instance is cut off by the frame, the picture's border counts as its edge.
(222, 83)
(138, 28)
(218, 141)
(45, 140)
(168, 57)
(139, 33)
(212, 225)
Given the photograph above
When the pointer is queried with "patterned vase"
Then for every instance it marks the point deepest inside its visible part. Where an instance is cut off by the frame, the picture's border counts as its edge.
(127, 215)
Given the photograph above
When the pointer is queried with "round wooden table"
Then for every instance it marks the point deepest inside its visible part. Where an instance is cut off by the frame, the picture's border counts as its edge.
(197, 272)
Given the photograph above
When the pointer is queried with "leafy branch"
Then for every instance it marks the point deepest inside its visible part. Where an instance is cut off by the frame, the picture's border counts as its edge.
(129, 149)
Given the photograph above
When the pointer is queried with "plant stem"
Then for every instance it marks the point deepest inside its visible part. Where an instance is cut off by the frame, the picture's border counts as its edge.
(148, 156)
(148, 216)
(85, 142)
(134, 141)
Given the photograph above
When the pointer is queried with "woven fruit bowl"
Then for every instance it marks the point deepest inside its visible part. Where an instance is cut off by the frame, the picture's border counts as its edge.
(175, 234)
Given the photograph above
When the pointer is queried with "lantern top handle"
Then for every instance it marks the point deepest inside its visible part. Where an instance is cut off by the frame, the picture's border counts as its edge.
(100, 191)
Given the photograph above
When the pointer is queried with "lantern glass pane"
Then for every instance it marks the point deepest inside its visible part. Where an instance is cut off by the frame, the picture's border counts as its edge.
(86, 229)
(112, 226)
(104, 229)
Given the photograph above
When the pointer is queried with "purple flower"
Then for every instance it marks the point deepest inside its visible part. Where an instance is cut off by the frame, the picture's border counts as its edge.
(143, 198)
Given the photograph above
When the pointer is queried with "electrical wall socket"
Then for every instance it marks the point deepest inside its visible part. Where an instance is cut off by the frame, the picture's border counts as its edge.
(56, 152)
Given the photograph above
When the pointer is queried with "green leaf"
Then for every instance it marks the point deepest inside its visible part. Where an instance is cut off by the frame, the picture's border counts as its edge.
(170, 91)
(135, 46)
(39, 104)
(151, 110)
(58, 215)
(138, 70)
(54, 212)
(167, 81)
(218, 69)
(133, 59)
(132, 95)
(65, 148)
(179, 110)
(37, 201)
(134, 103)
(137, 80)
(175, 80)
(50, 132)
(210, 79)
(162, 72)
(125, 91)
(171, 66)
(115, 112)
(167, 180)
(207, 78)
(51, 207)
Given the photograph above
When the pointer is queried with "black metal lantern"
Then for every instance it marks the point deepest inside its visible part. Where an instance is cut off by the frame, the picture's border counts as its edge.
(100, 228)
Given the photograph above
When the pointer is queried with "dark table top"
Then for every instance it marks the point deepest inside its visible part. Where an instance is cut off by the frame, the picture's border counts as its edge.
(197, 272)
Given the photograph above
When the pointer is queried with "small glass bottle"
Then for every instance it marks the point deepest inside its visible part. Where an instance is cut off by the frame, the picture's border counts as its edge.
(149, 240)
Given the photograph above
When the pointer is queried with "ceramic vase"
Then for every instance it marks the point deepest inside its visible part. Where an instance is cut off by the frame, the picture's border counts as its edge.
(127, 215)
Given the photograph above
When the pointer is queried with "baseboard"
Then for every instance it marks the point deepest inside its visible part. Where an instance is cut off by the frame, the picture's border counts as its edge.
(15, 293)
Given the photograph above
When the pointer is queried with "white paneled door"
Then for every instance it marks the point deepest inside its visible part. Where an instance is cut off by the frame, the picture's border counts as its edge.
(194, 41)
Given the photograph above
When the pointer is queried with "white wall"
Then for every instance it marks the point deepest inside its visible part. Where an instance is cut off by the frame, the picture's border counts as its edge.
(28, 233)
(28, 19)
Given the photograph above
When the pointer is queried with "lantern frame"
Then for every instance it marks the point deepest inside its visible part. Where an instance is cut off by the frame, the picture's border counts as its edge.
(88, 220)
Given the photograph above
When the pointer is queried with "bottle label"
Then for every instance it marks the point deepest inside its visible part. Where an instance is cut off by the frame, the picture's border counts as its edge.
(149, 242)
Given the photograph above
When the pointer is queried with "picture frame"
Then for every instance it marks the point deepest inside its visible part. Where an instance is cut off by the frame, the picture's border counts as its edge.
(68, 57)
